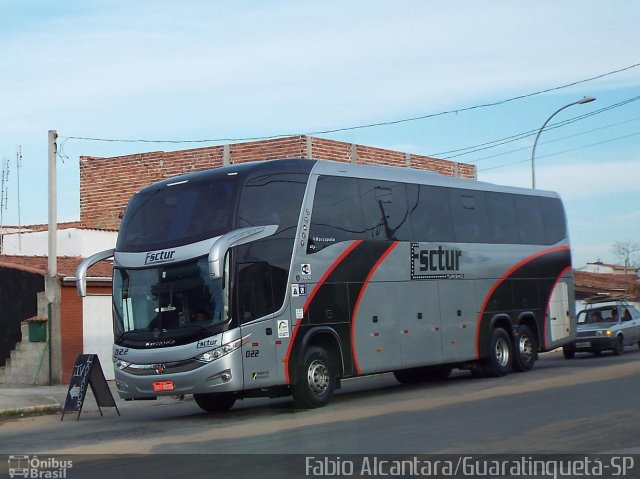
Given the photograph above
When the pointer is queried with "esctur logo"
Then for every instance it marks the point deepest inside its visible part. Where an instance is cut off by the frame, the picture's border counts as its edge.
(163, 256)
(435, 263)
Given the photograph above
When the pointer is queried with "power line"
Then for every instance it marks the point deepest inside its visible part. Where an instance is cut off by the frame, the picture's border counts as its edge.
(358, 127)
(520, 136)
(562, 152)
(528, 147)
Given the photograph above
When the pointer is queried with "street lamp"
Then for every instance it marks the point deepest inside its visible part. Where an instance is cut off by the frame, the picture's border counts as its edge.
(583, 100)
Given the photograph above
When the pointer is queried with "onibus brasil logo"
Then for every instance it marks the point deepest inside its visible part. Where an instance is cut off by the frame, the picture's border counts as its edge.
(34, 467)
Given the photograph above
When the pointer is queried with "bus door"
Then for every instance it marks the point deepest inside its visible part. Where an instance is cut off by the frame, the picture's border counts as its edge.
(255, 303)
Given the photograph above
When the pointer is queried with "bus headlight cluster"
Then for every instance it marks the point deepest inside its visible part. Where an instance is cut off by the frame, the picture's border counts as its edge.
(120, 364)
(223, 350)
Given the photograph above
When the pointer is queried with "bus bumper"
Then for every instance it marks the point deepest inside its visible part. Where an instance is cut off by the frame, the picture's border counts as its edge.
(221, 375)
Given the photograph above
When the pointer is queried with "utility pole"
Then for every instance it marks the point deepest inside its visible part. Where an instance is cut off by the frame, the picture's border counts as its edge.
(52, 270)
(18, 166)
(52, 285)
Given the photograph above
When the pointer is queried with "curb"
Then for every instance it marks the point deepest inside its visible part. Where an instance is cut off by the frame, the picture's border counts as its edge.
(30, 411)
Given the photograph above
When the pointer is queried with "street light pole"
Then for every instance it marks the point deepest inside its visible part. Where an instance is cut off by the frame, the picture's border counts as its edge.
(583, 100)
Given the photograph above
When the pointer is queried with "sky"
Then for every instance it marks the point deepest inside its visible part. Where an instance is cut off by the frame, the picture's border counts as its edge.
(202, 70)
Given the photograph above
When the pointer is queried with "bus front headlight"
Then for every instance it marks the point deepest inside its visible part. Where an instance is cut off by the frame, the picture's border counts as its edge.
(223, 350)
(120, 364)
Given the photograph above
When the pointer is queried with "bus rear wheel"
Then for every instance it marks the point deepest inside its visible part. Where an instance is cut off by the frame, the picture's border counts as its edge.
(525, 350)
(500, 358)
(316, 381)
(215, 402)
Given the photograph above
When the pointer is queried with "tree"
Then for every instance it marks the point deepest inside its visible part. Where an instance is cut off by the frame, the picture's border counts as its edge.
(625, 250)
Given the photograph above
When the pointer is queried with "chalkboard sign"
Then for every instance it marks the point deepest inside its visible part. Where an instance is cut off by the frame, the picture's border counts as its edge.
(88, 372)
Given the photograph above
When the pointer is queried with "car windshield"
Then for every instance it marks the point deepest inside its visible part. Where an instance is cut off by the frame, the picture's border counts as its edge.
(607, 314)
(167, 298)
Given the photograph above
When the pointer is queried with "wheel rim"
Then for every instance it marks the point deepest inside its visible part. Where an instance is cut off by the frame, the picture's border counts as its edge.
(318, 377)
(526, 348)
(502, 352)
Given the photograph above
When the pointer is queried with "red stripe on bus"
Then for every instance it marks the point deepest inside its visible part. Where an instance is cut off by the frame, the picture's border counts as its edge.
(357, 305)
(548, 317)
(335, 264)
(505, 276)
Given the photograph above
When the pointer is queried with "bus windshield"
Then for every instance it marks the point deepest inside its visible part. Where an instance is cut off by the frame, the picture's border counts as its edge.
(178, 213)
(170, 297)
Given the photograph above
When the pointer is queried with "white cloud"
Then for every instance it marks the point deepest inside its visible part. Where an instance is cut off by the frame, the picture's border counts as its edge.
(326, 66)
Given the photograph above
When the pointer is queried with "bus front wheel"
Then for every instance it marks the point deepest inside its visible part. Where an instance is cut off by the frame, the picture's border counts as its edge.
(217, 402)
(316, 380)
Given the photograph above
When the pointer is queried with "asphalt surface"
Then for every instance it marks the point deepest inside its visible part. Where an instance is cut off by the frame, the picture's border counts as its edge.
(587, 405)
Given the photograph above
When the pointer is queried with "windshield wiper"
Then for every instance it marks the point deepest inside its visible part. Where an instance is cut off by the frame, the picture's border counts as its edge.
(121, 337)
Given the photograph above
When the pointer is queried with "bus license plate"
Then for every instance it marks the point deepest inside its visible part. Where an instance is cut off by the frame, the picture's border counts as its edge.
(159, 386)
(583, 344)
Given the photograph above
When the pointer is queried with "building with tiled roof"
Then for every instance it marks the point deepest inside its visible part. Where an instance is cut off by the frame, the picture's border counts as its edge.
(588, 284)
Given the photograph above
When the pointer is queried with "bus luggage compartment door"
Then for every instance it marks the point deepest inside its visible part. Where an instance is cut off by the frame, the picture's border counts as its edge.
(259, 355)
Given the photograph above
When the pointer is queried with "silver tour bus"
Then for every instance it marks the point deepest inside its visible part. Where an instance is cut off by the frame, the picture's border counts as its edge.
(285, 277)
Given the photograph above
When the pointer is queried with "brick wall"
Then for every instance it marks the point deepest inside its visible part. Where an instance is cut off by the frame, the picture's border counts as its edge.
(106, 184)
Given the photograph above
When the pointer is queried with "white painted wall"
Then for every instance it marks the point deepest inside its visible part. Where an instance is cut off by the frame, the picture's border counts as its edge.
(97, 327)
(71, 242)
(597, 268)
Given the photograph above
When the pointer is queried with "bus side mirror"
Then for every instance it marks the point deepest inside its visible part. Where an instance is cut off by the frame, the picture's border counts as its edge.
(81, 271)
(233, 238)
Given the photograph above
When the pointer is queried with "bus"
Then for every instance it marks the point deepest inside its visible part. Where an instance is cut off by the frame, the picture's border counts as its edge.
(285, 277)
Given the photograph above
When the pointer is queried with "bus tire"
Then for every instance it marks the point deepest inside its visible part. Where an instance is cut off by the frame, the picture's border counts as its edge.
(525, 350)
(215, 402)
(569, 352)
(500, 354)
(316, 381)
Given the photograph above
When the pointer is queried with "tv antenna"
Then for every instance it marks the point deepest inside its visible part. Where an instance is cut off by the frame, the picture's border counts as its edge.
(4, 195)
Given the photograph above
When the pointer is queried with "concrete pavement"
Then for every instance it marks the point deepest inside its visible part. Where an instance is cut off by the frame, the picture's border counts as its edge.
(25, 400)
(17, 400)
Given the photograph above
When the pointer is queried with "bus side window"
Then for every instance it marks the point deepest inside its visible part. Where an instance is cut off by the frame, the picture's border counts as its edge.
(384, 206)
(502, 218)
(337, 213)
(430, 213)
(272, 199)
(470, 220)
(554, 219)
(530, 222)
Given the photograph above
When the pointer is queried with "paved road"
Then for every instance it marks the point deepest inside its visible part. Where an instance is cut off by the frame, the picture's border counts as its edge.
(586, 405)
